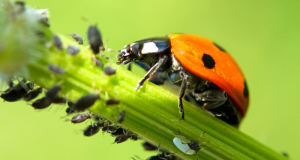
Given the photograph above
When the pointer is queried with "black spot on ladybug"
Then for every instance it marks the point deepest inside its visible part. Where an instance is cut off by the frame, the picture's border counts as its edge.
(220, 48)
(246, 91)
(208, 61)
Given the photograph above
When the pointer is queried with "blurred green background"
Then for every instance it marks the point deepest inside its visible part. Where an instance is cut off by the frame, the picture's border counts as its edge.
(263, 37)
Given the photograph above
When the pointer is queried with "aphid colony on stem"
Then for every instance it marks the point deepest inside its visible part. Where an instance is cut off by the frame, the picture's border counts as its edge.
(33, 94)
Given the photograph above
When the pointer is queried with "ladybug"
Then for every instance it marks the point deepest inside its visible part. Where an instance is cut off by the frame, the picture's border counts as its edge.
(205, 73)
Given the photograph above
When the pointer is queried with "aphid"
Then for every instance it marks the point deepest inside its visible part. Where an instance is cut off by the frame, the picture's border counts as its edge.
(112, 102)
(149, 147)
(97, 62)
(85, 102)
(81, 117)
(28, 86)
(91, 129)
(69, 110)
(97, 118)
(162, 156)
(121, 138)
(21, 6)
(10, 83)
(41, 103)
(118, 132)
(109, 129)
(129, 66)
(188, 148)
(108, 70)
(77, 37)
(57, 42)
(73, 50)
(95, 39)
(20, 3)
(15, 93)
(59, 100)
(126, 134)
(45, 22)
(56, 69)
(121, 117)
(44, 17)
(133, 136)
(51, 94)
(33, 94)
(285, 154)
(70, 104)
(101, 123)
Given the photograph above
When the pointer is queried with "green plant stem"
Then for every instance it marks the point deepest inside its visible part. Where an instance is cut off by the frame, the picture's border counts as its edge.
(151, 111)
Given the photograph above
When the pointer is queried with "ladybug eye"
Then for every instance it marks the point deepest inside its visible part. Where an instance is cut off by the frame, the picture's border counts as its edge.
(174, 77)
(135, 48)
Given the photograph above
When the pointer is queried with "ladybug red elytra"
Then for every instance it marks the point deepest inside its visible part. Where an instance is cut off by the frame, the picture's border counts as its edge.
(207, 75)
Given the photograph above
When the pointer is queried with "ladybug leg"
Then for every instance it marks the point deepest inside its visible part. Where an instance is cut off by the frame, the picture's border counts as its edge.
(156, 78)
(162, 59)
(213, 98)
(181, 92)
(129, 67)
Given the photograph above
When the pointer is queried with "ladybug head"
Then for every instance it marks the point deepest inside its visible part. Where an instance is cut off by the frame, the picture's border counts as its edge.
(129, 53)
